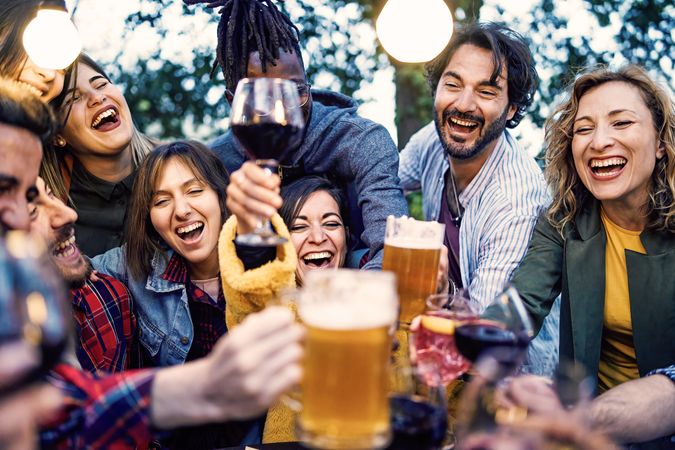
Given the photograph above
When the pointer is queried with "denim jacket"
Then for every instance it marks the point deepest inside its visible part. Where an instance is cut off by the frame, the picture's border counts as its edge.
(161, 307)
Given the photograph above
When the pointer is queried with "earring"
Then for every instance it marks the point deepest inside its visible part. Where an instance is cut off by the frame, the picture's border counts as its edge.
(59, 141)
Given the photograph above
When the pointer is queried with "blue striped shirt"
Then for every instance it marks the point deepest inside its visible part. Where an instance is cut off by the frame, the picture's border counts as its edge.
(501, 206)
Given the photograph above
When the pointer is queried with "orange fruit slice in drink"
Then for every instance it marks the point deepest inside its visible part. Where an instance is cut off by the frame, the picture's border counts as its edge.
(440, 325)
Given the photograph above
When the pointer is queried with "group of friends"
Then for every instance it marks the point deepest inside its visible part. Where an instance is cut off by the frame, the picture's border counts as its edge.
(175, 345)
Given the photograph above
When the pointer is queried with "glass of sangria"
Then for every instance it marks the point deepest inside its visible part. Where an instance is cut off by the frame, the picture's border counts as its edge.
(432, 342)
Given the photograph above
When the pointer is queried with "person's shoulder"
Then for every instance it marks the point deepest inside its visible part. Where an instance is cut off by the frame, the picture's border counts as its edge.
(110, 284)
(341, 108)
(228, 151)
(224, 139)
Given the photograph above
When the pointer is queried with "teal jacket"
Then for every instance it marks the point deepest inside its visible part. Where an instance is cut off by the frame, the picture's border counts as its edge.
(574, 266)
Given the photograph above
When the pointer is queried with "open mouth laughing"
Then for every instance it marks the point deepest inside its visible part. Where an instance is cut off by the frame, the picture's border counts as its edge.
(462, 125)
(106, 119)
(318, 260)
(607, 167)
(66, 248)
(191, 232)
(32, 88)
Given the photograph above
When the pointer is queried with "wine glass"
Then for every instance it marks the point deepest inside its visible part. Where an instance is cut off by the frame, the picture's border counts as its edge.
(267, 121)
(432, 341)
(33, 327)
(503, 331)
(419, 416)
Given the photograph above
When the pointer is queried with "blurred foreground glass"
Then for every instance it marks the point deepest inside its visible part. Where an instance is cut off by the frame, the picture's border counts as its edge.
(412, 250)
(350, 316)
(526, 412)
(32, 305)
(419, 416)
(267, 121)
(432, 342)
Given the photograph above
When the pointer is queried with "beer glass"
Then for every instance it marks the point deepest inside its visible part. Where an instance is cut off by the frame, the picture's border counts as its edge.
(350, 317)
(412, 250)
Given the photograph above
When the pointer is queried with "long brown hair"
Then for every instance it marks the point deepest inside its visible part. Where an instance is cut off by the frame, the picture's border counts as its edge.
(142, 240)
(566, 187)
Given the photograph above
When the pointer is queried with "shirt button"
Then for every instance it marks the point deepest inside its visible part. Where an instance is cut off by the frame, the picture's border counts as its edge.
(184, 340)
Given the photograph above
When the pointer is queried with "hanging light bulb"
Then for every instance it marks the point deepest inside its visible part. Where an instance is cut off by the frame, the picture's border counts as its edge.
(414, 31)
(51, 39)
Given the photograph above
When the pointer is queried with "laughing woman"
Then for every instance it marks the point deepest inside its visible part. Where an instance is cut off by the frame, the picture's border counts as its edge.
(170, 260)
(96, 155)
(312, 218)
(608, 241)
(170, 264)
(95, 160)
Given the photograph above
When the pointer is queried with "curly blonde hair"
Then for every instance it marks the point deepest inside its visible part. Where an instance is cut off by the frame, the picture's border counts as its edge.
(566, 187)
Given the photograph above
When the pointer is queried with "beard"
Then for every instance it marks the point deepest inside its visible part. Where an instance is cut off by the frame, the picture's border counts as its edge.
(77, 279)
(74, 275)
(454, 146)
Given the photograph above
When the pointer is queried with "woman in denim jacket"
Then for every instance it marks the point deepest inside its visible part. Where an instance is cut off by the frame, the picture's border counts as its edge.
(170, 265)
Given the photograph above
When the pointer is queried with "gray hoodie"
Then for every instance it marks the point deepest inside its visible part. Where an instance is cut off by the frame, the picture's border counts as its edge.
(356, 152)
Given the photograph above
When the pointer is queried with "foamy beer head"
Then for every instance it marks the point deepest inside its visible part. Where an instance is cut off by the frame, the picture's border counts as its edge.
(407, 232)
(349, 315)
(345, 299)
(412, 251)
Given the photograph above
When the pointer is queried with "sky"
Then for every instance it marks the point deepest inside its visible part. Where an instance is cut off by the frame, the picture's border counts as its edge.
(101, 24)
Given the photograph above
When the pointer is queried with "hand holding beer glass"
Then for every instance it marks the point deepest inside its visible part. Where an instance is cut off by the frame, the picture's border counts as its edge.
(412, 250)
(349, 316)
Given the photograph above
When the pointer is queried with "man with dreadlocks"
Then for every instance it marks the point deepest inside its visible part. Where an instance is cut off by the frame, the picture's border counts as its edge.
(255, 39)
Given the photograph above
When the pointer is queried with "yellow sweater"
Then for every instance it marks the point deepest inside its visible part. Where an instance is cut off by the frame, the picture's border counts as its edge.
(248, 292)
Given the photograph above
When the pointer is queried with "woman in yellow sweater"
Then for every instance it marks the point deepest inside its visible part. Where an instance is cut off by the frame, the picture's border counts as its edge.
(312, 218)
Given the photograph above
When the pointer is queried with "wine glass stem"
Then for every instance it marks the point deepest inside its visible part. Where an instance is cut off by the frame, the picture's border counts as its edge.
(264, 228)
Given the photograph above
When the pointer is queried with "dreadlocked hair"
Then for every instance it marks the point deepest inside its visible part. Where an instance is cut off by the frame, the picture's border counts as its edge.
(247, 26)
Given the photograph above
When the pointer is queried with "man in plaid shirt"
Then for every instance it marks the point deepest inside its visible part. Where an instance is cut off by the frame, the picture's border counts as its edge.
(104, 321)
(243, 375)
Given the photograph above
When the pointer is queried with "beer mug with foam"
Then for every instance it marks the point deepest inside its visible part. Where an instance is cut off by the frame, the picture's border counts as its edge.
(412, 250)
(350, 316)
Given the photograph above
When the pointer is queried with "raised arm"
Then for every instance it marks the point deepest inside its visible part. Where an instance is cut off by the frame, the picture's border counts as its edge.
(538, 279)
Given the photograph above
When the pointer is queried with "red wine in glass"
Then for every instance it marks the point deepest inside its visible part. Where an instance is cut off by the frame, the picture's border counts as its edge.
(416, 423)
(265, 141)
(268, 122)
(487, 337)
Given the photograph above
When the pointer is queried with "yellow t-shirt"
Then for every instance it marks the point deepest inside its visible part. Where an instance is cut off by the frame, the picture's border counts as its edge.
(617, 358)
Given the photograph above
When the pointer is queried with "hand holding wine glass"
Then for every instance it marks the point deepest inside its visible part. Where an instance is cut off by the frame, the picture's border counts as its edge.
(268, 122)
(252, 194)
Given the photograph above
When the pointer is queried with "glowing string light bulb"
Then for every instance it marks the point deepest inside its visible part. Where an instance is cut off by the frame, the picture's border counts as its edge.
(51, 39)
(414, 31)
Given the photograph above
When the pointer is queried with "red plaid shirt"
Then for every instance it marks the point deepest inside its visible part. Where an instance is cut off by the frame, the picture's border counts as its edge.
(100, 412)
(105, 325)
(208, 315)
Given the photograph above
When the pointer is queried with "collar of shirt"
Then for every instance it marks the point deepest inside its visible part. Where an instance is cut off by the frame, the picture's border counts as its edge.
(177, 272)
(105, 189)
